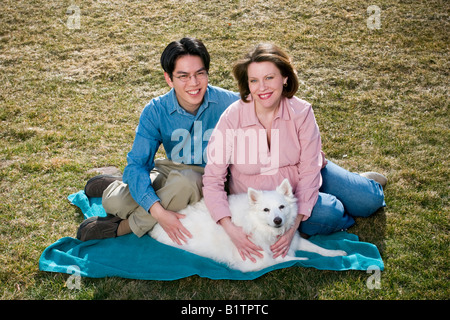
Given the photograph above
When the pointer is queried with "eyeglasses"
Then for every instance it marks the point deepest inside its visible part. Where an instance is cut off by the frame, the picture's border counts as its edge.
(200, 75)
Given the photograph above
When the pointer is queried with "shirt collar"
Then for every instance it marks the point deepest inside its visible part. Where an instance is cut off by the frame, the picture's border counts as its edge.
(210, 96)
(249, 117)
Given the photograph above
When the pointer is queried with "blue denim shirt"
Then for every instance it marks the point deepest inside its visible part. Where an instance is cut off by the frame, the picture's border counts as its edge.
(183, 135)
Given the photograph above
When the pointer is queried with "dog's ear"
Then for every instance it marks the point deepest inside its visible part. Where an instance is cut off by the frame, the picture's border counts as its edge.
(253, 195)
(285, 188)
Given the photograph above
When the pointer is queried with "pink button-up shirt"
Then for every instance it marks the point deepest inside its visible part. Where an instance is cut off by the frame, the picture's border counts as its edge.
(239, 146)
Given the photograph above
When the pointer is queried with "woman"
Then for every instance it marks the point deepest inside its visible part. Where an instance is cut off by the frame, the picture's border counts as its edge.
(270, 135)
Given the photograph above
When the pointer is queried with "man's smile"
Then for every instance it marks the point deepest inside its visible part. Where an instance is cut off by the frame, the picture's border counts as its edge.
(193, 92)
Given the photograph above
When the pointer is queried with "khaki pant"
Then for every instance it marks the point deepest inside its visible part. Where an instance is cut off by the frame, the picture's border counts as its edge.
(177, 186)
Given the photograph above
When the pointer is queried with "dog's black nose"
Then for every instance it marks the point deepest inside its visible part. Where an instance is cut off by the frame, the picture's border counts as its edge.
(277, 221)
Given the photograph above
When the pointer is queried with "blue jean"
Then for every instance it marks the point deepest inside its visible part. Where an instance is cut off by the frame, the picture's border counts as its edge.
(343, 195)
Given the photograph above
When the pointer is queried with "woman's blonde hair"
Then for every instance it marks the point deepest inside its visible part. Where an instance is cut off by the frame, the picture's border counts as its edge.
(261, 53)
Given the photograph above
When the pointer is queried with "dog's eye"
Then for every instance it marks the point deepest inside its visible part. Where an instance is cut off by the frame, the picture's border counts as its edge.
(266, 209)
(281, 207)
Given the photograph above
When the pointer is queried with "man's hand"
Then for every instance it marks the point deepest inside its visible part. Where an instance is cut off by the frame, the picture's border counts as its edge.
(169, 221)
(240, 239)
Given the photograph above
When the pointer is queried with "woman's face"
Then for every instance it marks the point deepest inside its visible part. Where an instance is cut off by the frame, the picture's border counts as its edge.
(266, 84)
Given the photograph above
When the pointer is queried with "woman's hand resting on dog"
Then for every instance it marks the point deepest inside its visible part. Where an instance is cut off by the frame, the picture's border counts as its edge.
(246, 248)
(281, 247)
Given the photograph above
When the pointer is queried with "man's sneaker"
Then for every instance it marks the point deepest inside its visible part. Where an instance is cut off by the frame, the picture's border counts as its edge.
(95, 186)
(98, 228)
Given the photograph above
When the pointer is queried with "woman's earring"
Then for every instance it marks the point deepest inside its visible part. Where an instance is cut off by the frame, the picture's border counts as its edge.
(285, 84)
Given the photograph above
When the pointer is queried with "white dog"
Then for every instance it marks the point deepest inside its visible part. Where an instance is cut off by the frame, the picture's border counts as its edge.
(264, 215)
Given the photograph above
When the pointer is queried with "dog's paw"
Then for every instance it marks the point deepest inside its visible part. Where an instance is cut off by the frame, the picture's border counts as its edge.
(301, 258)
(336, 253)
(340, 253)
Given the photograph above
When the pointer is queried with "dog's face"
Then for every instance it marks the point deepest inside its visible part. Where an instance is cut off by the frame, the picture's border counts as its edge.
(274, 208)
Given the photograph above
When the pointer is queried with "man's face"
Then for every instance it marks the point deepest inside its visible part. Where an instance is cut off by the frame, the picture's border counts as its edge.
(191, 91)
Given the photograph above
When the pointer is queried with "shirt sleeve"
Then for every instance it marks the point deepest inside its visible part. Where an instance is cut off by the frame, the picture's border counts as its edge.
(140, 160)
(216, 170)
(310, 164)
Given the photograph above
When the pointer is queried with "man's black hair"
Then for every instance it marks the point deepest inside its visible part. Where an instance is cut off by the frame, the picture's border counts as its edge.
(186, 46)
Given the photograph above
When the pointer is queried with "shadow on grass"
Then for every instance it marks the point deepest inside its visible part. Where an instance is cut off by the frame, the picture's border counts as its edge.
(372, 229)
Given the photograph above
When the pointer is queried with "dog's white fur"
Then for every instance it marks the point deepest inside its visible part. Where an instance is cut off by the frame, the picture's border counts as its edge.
(264, 215)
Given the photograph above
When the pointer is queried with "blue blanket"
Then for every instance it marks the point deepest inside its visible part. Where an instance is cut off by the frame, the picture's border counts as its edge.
(146, 259)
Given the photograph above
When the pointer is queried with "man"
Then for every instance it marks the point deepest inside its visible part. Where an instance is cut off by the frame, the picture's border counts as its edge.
(153, 191)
